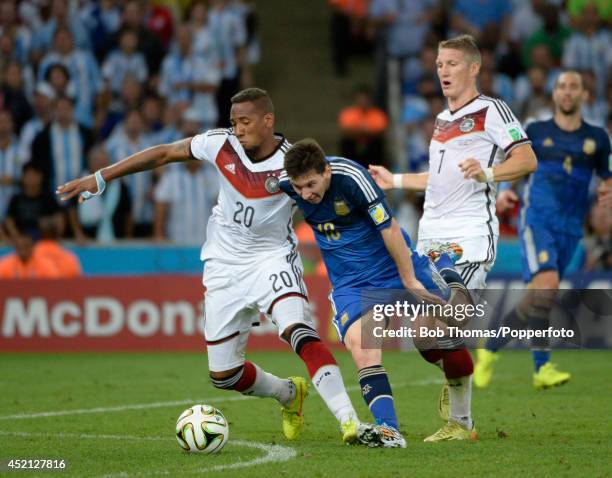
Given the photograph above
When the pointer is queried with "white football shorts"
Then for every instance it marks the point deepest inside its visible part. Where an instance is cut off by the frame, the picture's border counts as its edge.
(236, 296)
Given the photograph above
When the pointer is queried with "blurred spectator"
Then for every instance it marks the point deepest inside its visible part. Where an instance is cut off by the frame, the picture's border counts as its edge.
(106, 217)
(598, 244)
(48, 248)
(594, 109)
(102, 19)
(495, 83)
(540, 57)
(43, 99)
(32, 202)
(127, 139)
(23, 264)
(29, 14)
(479, 18)
(362, 128)
(13, 97)
(416, 106)
(204, 41)
(61, 16)
(248, 12)
(60, 149)
(230, 33)
(149, 43)
(58, 78)
(130, 99)
(126, 62)
(401, 27)
(533, 101)
(156, 129)
(184, 199)
(588, 48)
(187, 77)
(347, 29)
(417, 146)
(526, 20)
(10, 27)
(82, 69)
(576, 9)
(158, 19)
(553, 34)
(10, 164)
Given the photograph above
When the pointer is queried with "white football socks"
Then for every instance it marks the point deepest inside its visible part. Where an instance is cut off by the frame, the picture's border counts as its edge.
(330, 386)
(460, 397)
(268, 385)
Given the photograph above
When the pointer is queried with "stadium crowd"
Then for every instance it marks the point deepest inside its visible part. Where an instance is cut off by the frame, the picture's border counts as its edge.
(86, 83)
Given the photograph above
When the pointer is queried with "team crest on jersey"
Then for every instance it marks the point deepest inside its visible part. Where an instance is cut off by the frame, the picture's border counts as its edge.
(543, 257)
(589, 146)
(378, 214)
(341, 207)
(231, 167)
(467, 125)
(548, 142)
(272, 184)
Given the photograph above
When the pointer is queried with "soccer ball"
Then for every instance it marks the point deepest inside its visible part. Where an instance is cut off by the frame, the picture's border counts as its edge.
(202, 429)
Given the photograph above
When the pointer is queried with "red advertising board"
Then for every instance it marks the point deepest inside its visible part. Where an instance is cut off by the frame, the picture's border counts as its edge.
(123, 314)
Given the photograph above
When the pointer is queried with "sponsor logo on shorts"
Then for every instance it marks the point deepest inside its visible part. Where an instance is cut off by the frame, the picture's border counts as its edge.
(543, 257)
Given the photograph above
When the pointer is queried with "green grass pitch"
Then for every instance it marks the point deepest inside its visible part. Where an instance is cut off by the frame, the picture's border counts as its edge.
(559, 432)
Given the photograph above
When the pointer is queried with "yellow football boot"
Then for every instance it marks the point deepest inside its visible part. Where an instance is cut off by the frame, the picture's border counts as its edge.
(483, 370)
(452, 430)
(293, 418)
(548, 376)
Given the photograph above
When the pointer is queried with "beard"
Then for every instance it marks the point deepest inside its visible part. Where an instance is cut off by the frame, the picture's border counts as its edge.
(568, 111)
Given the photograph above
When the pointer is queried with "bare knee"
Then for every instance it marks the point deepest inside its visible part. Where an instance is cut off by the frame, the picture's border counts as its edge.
(224, 374)
(545, 280)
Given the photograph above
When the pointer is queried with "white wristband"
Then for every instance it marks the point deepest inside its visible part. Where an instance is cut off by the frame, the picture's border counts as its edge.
(489, 174)
(397, 181)
(100, 183)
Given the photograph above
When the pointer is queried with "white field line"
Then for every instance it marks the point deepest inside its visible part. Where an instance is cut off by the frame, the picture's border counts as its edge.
(273, 453)
(144, 406)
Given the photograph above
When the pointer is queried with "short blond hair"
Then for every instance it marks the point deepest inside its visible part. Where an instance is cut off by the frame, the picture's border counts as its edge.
(464, 43)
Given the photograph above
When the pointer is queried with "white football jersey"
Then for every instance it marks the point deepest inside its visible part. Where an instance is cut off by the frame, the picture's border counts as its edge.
(252, 217)
(483, 129)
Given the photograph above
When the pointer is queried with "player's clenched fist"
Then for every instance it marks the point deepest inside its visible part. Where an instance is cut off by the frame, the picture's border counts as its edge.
(506, 199)
(382, 176)
(471, 169)
(604, 195)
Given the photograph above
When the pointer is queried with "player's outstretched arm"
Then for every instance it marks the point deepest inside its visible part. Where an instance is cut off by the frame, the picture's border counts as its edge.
(149, 158)
(520, 162)
(401, 254)
(386, 180)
